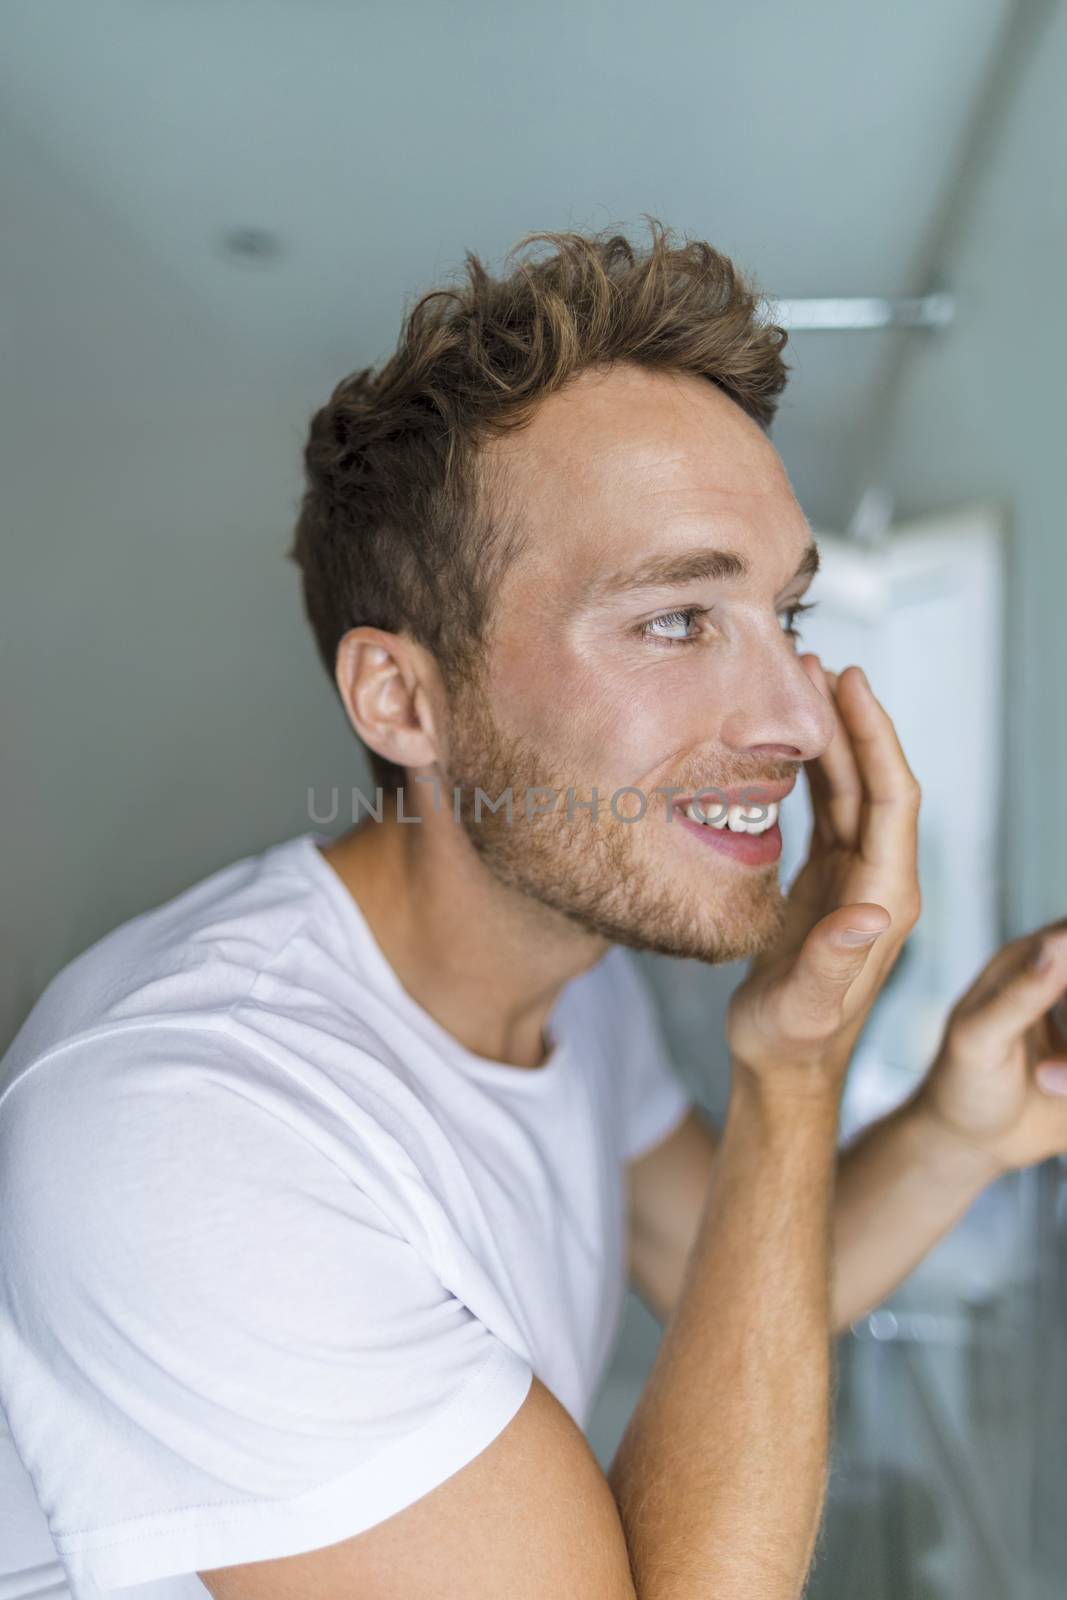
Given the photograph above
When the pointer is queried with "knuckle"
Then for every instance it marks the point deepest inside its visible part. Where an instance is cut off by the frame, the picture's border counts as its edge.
(911, 908)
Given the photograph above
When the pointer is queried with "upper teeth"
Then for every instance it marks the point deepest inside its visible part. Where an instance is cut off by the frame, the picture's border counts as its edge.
(739, 819)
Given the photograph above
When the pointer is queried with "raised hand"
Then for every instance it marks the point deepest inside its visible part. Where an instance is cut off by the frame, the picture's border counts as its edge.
(999, 1082)
(805, 1000)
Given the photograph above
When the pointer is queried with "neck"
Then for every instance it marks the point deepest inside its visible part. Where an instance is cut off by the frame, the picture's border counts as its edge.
(485, 960)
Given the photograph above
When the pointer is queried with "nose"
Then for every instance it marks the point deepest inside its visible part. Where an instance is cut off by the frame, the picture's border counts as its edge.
(781, 713)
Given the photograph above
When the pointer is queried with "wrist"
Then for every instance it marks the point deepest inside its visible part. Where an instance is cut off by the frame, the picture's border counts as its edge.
(946, 1150)
(787, 1096)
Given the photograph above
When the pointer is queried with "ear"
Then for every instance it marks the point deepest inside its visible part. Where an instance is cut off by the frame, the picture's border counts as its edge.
(383, 680)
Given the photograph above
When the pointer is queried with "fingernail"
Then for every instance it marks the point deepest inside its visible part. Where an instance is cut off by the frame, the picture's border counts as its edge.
(860, 935)
(1053, 1079)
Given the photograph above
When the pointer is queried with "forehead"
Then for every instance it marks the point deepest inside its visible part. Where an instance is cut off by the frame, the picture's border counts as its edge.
(627, 464)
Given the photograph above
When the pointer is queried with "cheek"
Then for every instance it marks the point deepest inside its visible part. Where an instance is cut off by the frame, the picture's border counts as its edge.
(606, 722)
(628, 728)
(526, 679)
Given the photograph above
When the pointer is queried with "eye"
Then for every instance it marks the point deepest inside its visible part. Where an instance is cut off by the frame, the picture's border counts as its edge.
(789, 616)
(673, 620)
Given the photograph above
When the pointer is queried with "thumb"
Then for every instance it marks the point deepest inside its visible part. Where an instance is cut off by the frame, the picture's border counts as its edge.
(831, 958)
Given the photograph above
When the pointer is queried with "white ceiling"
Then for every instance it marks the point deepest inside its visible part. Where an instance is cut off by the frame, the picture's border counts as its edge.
(376, 142)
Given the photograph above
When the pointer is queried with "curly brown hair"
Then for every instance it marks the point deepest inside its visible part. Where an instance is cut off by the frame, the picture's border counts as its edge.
(397, 527)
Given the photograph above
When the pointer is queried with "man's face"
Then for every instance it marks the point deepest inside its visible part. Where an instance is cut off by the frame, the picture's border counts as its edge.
(600, 677)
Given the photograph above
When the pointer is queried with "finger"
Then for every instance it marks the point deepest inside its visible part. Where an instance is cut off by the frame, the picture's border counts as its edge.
(833, 776)
(822, 827)
(1003, 966)
(823, 834)
(1019, 1001)
(829, 961)
(889, 819)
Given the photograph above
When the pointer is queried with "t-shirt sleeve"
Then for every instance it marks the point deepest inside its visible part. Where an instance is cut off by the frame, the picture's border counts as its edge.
(214, 1346)
(654, 1100)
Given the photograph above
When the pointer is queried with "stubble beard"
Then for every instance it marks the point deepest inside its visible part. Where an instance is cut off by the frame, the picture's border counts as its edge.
(629, 882)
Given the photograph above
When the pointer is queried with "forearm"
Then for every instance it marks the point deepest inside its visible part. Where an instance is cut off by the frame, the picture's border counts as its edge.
(720, 1476)
(901, 1185)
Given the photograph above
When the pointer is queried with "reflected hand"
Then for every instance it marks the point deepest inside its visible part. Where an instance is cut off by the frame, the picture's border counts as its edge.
(999, 1082)
(806, 998)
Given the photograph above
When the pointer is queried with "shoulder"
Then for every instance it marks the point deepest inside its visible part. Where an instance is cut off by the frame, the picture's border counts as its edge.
(172, 1166)
(188, 959)
(190, 1144)
(131, 1111)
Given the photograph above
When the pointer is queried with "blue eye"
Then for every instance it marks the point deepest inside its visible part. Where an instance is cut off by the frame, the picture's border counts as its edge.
(670, 627)
(673, 619)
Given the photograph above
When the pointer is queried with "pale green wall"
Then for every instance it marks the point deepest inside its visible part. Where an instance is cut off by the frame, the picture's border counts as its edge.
(163, 707)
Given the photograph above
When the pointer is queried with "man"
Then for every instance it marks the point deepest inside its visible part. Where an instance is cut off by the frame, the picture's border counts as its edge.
(324, 1178)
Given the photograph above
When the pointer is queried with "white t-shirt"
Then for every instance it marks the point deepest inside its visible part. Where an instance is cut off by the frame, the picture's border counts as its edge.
(278, 1254)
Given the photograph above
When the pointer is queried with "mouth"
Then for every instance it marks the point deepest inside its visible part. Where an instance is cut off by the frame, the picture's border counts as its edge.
(741, 823)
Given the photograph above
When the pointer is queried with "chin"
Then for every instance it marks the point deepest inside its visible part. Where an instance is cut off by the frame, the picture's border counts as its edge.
(715, 947)
(713, 933)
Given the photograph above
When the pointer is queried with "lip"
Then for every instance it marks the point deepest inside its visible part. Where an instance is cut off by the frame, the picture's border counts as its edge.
(745, 794)
(748, 849)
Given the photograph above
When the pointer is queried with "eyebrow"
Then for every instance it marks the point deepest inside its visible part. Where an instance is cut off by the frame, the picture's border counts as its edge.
(689, 566)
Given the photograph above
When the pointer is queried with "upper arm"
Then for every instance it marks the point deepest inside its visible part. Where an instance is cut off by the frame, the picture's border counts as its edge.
(666, 1187)
(532, 1515)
